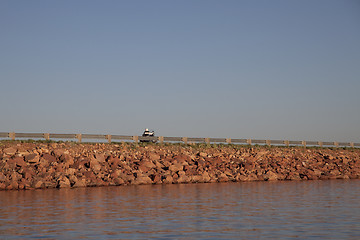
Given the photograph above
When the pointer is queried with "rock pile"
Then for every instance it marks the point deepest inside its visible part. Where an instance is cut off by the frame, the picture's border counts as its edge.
(65, 165)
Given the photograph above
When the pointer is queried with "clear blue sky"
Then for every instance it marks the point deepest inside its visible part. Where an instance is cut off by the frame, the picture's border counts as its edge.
(239, 69)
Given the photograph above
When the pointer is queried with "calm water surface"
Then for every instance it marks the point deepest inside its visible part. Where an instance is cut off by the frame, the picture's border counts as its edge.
(270, 210)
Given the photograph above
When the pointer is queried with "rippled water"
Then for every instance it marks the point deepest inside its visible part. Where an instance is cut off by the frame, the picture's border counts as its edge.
(274, 210)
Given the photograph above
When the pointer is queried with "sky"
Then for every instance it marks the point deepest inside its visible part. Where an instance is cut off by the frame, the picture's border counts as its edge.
(238, 69)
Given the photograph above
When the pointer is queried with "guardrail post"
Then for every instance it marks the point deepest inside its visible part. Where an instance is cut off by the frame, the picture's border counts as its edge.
(78, 136)
(47, 136)
(12, 135)
(248, 141)
(320, 144)
(287, 143)
(161, 139)
(304, 143)
(352, 144)
(336, 144)
(228, 140)
(184, 139)
(136, 139)
(268, 142)
(108, 137)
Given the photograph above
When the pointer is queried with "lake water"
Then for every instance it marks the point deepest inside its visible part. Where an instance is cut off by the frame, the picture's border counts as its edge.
(266, 210)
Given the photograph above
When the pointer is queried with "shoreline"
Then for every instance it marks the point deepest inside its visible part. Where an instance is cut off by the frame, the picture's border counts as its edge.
(41, 164)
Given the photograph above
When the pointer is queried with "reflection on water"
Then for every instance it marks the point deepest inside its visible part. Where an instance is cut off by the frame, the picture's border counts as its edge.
(312, 209)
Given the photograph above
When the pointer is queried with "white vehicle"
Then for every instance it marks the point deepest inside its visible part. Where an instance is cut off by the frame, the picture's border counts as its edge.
(148, 136)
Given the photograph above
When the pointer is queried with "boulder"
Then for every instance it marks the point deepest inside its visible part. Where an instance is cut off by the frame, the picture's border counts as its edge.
(127, 178)
(243, 178)
(100, 157)
(196, 178)
(70, 171)
(39, 184)
(63, 182)
(95, 166)
(156, 178)
(10, 151)
(153, 157)
(3, 178)
(222, 177)
(148, 164)
(32, 158)
(270, 176)
(79, 183)
(118, 181)
(142, 179)
(202, 154)
(167, 179)
(205, 177)
(17, 161)
(48, 157)
(12, 185)
(176, 167)
(183, 179)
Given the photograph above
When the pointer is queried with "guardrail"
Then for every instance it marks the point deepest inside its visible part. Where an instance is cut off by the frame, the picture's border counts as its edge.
(161, 139)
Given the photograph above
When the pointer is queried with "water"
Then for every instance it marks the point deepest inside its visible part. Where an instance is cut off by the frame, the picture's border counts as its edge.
(270, 210)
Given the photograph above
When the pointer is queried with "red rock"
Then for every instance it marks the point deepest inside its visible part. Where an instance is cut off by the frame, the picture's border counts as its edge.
(244, 178)
(142, 179)
(202, 154)
(271, 176)
(167, 164)
(28, 174)
(32, 158)
(89, 175)
(156, 179)
(49, 184)
(182, 159)
(100, 157)
(59, 152)
(183, 179)
(49, 158)
(143, 168)
(3, 178)
(223, 178)
(70, 171)
(39, 184)
(63, 182)
(95, 166)
(206, 177)
(196, 178)
(148, 164)
(114, 160)
(83, 163)
(12, 185)
(168, 179)
(153, 157)
(18, 161)
(10, 151)
(128, 178)
(176, 167)
(118, 181)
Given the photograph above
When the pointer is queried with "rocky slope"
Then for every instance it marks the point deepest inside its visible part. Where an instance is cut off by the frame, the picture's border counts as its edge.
(64, 165)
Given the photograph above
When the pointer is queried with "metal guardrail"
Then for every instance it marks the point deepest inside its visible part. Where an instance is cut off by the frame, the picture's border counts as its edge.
(4, 135)
(161, 139)
(57, 135)
(121, 137)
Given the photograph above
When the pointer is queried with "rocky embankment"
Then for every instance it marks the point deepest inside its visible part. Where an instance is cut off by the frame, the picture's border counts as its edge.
(64, 165)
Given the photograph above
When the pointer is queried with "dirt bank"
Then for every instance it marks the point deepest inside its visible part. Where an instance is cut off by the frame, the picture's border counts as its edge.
(64, 165)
